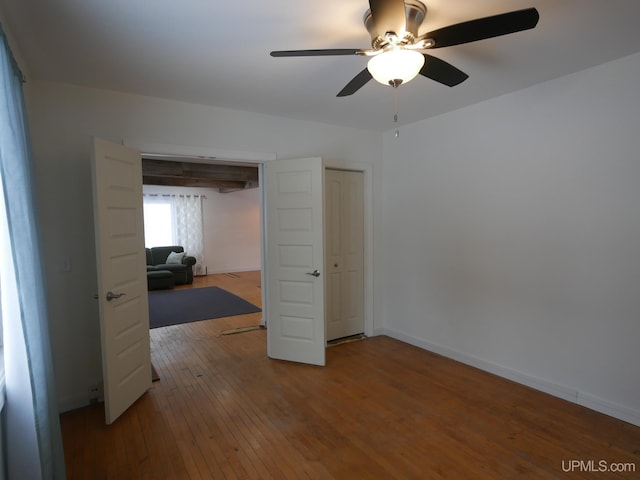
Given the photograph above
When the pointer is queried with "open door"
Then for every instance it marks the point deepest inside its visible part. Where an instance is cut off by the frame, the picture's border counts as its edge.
(122, 280)
(294, 251)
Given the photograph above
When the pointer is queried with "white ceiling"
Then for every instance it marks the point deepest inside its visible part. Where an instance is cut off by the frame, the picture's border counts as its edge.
(217, 53)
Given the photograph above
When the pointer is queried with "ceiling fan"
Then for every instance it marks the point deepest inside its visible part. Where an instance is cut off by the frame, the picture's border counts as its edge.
(397, 49)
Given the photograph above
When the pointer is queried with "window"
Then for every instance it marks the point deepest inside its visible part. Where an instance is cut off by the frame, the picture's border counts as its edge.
(158, 222)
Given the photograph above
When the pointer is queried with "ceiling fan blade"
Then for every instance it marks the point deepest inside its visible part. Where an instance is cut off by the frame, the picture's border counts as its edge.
(442, 72)
(482, 28)
(388, 16)
(317, 53)
(356, 83)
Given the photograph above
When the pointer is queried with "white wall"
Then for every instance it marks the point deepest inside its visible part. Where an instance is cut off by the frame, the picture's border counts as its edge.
(231, 224)
(510, 236)
(62, 120)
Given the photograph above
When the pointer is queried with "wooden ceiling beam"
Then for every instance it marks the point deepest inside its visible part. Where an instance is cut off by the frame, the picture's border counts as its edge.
(191, 182)
(226, 178)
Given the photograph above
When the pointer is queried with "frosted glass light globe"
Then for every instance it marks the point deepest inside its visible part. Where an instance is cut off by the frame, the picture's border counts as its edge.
(396, 65)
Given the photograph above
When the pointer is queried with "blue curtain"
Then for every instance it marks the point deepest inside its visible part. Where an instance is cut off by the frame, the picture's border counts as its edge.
(32, 437)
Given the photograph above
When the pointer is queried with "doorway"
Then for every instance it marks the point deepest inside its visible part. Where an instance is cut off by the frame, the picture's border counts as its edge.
(260, 159)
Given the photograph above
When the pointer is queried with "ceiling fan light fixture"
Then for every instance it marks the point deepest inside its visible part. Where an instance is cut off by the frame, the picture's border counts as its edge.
(396, 66)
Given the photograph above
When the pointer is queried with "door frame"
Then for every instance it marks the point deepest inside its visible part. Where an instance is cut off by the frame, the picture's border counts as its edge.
(212, 155)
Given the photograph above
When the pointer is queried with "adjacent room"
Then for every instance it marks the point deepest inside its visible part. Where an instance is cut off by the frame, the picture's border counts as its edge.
(208, 214)
(490, 252)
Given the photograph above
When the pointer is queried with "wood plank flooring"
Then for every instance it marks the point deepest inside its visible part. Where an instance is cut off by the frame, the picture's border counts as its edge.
(380, 409)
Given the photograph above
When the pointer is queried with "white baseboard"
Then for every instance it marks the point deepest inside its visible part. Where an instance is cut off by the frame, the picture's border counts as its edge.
(73, 403)
(234, 269)
(566, 393)
(609, 408)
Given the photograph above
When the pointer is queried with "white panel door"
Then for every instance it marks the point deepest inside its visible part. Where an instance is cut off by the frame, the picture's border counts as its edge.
(122, 278)
(294, 251)
(344, 245)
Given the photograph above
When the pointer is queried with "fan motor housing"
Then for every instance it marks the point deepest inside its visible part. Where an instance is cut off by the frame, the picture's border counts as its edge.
(415, 13)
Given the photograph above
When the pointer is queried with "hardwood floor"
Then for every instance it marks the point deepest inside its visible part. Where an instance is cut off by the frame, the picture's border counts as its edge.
(379, 409)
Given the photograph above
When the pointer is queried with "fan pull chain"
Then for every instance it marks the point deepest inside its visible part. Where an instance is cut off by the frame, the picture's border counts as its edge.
(395, 116)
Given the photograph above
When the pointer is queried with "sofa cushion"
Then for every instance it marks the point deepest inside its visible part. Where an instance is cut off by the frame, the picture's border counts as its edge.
(175, 257)
(181, 273)
(172, 267)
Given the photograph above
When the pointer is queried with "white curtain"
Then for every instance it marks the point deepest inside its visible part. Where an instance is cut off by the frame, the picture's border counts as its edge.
(188, 230)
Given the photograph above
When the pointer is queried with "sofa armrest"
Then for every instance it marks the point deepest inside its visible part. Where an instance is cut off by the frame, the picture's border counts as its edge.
(189, 261)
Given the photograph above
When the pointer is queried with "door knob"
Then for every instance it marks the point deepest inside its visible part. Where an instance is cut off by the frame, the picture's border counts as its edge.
(315, 273)
(111, 295)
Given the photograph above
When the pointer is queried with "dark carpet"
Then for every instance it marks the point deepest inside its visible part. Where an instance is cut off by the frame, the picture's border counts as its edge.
(172, 307)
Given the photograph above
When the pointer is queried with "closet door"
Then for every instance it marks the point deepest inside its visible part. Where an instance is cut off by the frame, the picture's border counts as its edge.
(344, 247)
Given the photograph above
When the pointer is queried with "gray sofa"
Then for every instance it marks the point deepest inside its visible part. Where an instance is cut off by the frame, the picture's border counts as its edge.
(159, 264)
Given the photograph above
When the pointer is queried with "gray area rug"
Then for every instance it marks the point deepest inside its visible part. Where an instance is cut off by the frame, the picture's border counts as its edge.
(173, 307)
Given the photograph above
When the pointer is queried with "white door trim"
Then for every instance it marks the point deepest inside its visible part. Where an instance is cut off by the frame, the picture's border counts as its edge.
(199, 154)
